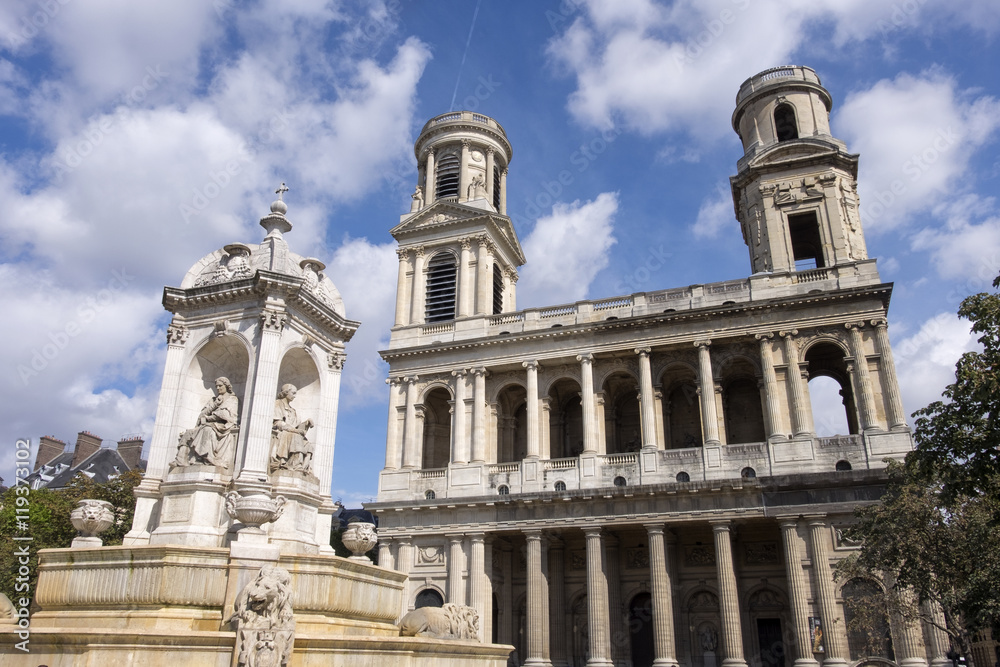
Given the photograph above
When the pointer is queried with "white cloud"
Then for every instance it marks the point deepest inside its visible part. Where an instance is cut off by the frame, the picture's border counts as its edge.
(967, 246)
(916, 135)
(715, 215)
(656, 67)
(570, 247)
(365, 273)
(925, 361)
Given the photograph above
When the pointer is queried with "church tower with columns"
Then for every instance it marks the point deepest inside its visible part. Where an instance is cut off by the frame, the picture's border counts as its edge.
(641, 479)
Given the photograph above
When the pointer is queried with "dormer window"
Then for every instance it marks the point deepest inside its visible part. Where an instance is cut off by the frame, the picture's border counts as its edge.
(441, 283)
(785, 126)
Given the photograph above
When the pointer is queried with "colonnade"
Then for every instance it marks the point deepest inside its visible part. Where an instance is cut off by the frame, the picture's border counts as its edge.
(403, 449)
(811, 594)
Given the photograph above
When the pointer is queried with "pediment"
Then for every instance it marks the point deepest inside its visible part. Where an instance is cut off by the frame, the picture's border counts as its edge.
(464, 219)
(796, 150)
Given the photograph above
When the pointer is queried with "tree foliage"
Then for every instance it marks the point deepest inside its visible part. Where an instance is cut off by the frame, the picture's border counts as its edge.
(935, 537)
(49, 526)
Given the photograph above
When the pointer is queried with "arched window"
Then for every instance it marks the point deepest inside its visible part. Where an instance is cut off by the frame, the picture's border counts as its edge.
(868, 630)
(748, 473)
(503, 490)
(833, 407)
(620, 481)
(497, 289)
(560, 486)
(743, 411)
(512, 424)
(843, 466)
(441, 282)
(446, 176)
(430, 495)
(437, 430)
(784, 122)
(683, 477)
(428, 598)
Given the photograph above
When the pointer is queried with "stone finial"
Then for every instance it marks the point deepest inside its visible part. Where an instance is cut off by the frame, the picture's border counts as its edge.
(254, 510)
(275, 222)
(91, 517)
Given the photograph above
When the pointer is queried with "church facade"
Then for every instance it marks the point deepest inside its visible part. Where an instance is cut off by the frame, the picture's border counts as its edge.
(638, 480)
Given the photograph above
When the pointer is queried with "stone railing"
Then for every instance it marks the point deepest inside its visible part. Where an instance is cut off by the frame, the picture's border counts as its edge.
(467, 116)
(560, 464)
(433, 473)
(498, 468)
(629, 458)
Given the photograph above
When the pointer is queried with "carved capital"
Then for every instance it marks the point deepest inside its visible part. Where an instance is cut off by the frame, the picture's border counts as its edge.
(418, 251)
(466, 144)
(430, 153)
(511, 275)
(466, 243)
(764, 336)
(411, 379)
(643, 351)
(504, 172)
(854, 326)
(403, 254)
(273, 320)
(394, 381)
(490, 150)
(704, 342)
(880, 323)
(336, 360)
(587, 358)
(177, 334)
(530, 365)
(480, 372)
(459, 373)
(789, 333)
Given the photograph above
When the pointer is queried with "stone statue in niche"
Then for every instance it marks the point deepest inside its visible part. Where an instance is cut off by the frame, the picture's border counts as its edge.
(290, 449)
(477, 188)
(265, 623)
(450, 621)
(213, 439)
(418, 200)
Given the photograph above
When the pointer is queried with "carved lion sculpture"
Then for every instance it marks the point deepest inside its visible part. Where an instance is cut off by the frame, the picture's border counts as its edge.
(265, 624)
(452, 621)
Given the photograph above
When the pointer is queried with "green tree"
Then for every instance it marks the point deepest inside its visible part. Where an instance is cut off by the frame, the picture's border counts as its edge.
(934, 539)
(48, 524)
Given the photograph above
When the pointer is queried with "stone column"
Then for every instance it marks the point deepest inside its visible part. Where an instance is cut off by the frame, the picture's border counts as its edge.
(456, 585)
(402, 303)
(466, 284)
(938, 642)
(463, 172)
(612, 568)
(646, 400)
(798, 594)
(393, 449)
(404, 564)
(484, 281)
(598, 621)
(729, 601)
(417, 296)
(544, 427)
(430, 179)
(908, 643)
(895, 414)
(869, 418)
(460, 445)
(557, 602)
(385, 553)
(663, 605)
(503, 192)
(534, 448)
(265, 389)
(410, 455)
(587, 398)
(511, 290)
(479, 598)
(706, 388)
(479, 416)
(538, 591)
(833, 626)
(770, 385)
(801, 411)
(490, 160)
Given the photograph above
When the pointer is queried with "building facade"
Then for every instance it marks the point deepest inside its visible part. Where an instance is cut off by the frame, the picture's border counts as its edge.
(638, 480)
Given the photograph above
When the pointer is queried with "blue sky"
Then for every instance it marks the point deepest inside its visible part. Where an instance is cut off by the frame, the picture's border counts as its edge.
(118, 120)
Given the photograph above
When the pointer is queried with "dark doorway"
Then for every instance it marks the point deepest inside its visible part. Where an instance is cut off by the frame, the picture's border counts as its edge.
(428, 598)
(496, 620)
(772, 646)
(640, 626)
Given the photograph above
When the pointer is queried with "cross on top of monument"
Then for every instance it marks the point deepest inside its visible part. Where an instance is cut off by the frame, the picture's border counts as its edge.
(281, 191)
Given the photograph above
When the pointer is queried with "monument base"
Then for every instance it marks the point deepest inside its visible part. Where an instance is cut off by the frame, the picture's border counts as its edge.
(170, 606)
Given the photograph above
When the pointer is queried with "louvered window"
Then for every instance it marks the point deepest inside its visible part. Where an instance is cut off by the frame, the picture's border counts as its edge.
(496, 188)
(441, 276)
(446, 177)
(497, 290)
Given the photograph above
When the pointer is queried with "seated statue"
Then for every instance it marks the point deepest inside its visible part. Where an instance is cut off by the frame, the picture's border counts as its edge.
(213, 440)
(290, 449)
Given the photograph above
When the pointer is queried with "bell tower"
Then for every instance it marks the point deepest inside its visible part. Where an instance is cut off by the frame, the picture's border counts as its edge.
(795, 193)
(458, 251)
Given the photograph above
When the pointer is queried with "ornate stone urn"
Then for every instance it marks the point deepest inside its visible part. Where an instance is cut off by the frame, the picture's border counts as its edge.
(360, 537)
(91, 517)
(254, 510)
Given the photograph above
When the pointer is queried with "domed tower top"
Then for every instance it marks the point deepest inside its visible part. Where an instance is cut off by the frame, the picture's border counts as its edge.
(782, 104)
(462, 157)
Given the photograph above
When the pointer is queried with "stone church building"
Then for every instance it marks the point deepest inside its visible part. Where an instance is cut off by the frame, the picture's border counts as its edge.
(638, 480)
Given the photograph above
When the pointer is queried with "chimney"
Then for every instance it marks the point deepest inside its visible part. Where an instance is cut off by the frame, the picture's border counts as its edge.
(49, 447)
(86, 444)
(130, 449)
